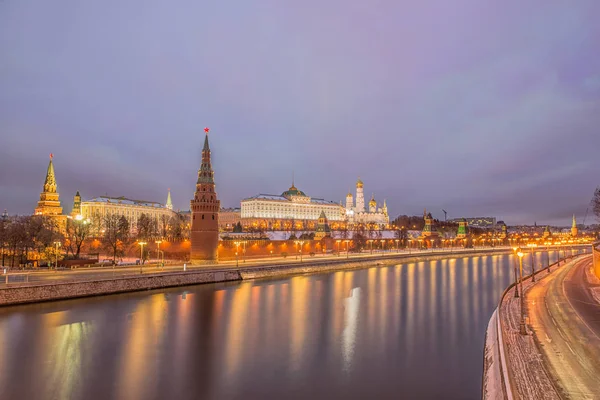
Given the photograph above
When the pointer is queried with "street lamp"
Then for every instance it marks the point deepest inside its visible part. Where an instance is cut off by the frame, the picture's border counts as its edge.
(301, 243)
(371, 243)
(515, 265)
(532, 246)
(142, 244)
(397, 246)
(338, 246)
(158, 242)
(56, 245)
(237, 245)
(347, 248)
(522, 327)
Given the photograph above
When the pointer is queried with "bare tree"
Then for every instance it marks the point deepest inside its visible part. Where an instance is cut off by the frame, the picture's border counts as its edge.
(596, 203)
(146, 227)
(116, 234)
(78, 230)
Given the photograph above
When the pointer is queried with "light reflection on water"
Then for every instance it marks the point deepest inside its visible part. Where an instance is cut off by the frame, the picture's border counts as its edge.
(413, 331)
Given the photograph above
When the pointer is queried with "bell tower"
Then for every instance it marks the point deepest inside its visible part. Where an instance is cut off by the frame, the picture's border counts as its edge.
(205, 212)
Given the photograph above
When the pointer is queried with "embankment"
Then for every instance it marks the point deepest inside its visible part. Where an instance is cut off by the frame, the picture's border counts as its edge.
(40, 292)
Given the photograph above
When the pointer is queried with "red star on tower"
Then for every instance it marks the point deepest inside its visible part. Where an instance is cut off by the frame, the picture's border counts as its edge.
(206, 130)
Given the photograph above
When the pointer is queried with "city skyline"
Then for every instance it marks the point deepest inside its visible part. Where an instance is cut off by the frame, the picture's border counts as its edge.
(124, 116)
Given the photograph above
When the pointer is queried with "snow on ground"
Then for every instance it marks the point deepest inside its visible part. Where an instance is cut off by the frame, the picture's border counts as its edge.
(492, 379)
(593, 279)
(527, 372)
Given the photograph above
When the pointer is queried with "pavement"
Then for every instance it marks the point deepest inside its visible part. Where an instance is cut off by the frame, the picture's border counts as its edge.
(24, 278)
(565, 319)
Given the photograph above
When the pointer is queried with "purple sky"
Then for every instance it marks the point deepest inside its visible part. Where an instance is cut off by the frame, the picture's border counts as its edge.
(474, 107)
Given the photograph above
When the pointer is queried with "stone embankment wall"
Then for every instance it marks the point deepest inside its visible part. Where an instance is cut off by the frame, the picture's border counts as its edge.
(73, 289)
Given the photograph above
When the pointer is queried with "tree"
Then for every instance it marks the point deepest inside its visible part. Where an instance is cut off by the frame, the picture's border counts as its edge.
(237, 228)
(116, 234)
(146, 227)
(176, 228)
(596, 203)
(359, 237)
(78, 230)
(164, 226)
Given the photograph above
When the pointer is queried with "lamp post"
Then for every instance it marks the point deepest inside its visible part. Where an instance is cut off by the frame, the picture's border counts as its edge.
(347, 248)
(382, 245)
(300, 243)
(522, 327)
(158, 242)
(397, 246)
(237, 245)
(338, 246)
(371, 243)
(141, 255)
(532, 246)
(56, 246)
(515, 267)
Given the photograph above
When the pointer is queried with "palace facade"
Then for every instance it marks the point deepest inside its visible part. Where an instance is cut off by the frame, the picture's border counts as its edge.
(292, 210)
(99, 207)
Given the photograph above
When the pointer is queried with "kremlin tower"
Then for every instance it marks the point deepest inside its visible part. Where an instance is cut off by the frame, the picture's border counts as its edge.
(169, 204)
(76, 205)
(360, 197)
(49, 204)
(205, 213)
(574, 229)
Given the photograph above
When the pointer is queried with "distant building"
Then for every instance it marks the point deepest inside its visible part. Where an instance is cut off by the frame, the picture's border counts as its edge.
(228, 218)
(574, 230)
(358, 214)
(478, 222)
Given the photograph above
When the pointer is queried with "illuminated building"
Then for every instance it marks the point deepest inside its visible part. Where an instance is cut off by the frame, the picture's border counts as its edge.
(98, 208)
(323, 228)
(574, 229)
(205, 212)
(228, 218)
(462, 228)
(49, 203)
(429, 230)
(293, 209)
(357, 214)
(76, 205)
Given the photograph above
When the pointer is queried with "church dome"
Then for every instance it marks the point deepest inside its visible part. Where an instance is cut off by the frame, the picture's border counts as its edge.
(359, 183)
(293, 191)
(349, 195)
(373, 203)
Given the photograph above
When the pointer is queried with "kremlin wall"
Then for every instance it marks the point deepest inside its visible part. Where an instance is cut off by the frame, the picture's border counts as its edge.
(292, 224)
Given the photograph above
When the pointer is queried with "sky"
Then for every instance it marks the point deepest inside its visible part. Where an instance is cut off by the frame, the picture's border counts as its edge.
(476, 107)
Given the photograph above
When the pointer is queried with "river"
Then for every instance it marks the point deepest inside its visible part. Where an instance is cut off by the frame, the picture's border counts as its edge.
(412, 331)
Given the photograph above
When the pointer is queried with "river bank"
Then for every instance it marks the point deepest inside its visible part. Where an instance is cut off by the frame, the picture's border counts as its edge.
(40, 292)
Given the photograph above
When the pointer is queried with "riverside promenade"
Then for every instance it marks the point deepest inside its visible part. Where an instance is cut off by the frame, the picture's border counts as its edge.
(559, 357)
(33, 287)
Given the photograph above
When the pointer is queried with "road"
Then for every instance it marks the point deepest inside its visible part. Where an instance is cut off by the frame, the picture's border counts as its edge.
(20, 278)
(565, 319)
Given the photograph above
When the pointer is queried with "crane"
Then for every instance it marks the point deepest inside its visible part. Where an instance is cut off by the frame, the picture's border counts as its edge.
(445, 214)
(584, 218)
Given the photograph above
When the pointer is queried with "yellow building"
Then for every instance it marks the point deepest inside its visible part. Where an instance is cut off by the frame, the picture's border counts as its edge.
(98, 208)
(269, 211)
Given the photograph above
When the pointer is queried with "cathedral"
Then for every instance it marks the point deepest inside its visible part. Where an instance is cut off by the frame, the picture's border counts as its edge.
(357, 213)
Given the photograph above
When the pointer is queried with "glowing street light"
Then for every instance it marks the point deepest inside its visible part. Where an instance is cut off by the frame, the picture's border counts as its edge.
(57, 244)
(532, 246)
(347, 248)
(142, 244)
(301, 243)
(515, 265)
(158, 242)
(522, 327)
(371, 243)
(237, 245)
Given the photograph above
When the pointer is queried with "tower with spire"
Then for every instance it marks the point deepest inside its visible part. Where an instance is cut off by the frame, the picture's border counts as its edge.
(574, 229)
(372, 204)
(49, 203)
(205, 212)
(76, 205)
(169, 204)
(360, 197)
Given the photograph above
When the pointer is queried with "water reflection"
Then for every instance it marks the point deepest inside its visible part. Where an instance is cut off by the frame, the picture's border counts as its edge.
(381, 332)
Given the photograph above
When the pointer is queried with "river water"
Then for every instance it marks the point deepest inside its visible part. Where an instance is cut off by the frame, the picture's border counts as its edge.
(412, 331)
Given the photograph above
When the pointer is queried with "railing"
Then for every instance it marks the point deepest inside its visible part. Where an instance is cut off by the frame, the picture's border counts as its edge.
(504, 372)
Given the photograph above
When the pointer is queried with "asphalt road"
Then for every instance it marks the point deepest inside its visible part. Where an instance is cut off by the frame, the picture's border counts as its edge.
(566, 321)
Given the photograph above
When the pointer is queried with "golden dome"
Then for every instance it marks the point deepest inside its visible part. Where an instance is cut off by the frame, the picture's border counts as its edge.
(359, 183)
(349, 195)
(373, 203)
